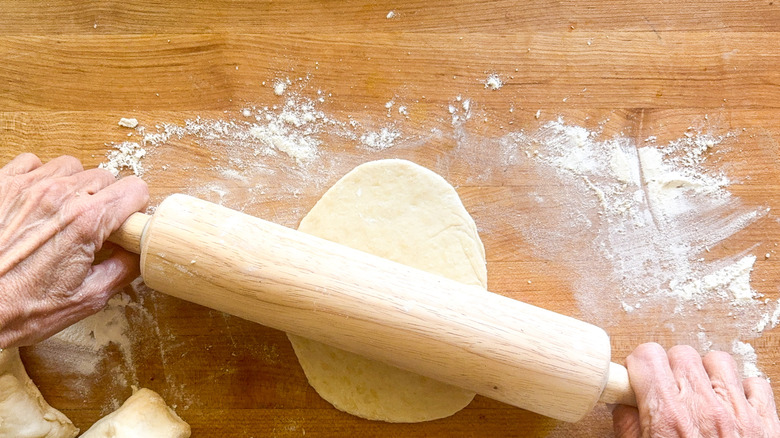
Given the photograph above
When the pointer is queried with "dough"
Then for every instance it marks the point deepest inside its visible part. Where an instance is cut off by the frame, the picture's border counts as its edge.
(23, 411)
(143, 415)
(403, 212)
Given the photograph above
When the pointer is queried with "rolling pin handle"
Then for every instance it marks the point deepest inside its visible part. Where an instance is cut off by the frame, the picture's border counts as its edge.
(618, 389)
(131, 232)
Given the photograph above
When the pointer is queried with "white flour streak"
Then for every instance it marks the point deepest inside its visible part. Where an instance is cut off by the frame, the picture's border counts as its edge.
(648, 214)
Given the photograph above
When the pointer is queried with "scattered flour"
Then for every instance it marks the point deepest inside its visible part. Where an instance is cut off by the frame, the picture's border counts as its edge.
(769, 320)
(460, 110)
(79, 349)
(101, 329)
(280, 86)
(644, 216)
(494, 82)
(125, 155)
(293, 129)
(729, 283)
(747, 354)
(640, 216)
(280, 133)
(382, 139)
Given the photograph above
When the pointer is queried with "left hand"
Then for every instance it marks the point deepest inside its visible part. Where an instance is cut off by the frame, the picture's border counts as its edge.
(54, 217)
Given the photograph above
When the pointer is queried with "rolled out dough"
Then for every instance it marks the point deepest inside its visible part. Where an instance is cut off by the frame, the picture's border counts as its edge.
(23, 411)
(143, 415)
(403, 212)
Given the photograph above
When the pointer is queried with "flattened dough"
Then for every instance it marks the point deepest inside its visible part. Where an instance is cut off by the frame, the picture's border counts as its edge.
(23, 411)
(403, 212)
(143, 415)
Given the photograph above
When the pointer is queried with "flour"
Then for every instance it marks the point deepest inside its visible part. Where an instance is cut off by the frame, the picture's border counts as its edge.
(125, 155)
(729, 283)
(634, 233)
(460, 110)
(86, 338)
(382, 139)
(671, 179)
(494, 82)
(770, 319)
(292, 129)
(643, 216)
(748, 357)
(280, 86)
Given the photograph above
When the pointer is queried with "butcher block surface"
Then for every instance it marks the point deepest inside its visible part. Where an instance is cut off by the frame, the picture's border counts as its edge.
(629, 69)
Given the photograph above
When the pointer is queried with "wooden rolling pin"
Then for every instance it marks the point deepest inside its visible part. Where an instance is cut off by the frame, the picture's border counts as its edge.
(462, 335)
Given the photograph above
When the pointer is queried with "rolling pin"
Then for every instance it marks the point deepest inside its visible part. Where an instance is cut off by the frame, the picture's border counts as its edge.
(463, 335)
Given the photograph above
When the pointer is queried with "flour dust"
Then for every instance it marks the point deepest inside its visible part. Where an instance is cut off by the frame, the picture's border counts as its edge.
(633, 220)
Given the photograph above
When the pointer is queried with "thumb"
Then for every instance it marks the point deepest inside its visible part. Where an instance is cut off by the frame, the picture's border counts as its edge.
(625, 422)
(101, 283)
(105, 279)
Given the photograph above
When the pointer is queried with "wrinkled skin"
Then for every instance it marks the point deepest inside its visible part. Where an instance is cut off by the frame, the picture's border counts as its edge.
(681, 394)
(54, 217)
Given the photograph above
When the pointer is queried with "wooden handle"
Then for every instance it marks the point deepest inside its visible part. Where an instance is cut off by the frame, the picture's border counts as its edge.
(618, 390)
(129, 235)
(459, 334)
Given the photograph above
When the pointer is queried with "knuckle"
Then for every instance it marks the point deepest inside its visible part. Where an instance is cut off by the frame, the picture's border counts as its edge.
(16, 185)
(139, 185)
(717, 356)
(28, 157)
(84, 220)
(676, 421)
(50, 194)
(758, 383)
(54, 188)
(647, 350)
(720, 417)
(70, 162)
(683, 351)
(105, 174)
(97, 302)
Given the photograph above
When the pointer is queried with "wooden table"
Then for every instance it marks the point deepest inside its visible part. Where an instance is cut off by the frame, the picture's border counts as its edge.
(70, 70)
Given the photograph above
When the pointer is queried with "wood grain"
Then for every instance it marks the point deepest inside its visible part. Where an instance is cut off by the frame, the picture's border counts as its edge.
(140, 72)
(70, 70)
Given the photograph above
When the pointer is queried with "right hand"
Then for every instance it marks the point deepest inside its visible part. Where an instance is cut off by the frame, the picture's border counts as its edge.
(683, 395)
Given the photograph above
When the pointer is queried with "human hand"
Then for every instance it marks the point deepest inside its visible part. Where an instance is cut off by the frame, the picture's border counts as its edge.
(54, 217)
(683, 395)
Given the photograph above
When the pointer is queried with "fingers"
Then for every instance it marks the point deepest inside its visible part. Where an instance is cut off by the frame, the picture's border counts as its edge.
(60, 166)
(726, 381)
(104, 279)
(759, 395)
(688, 370)
(625, 422)
(121, 199)
(22, 164)
(651, 375)
(92, 181)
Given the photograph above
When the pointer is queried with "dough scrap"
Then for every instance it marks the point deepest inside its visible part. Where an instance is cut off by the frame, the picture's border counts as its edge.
(406, 213)
(23, 411)
(143, 415)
